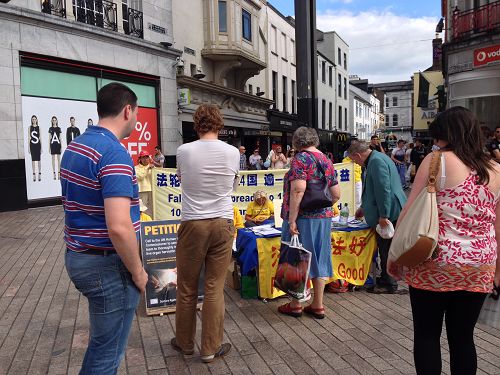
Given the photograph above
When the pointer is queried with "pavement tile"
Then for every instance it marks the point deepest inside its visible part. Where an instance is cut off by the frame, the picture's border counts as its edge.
(154, 363)
(44, 323)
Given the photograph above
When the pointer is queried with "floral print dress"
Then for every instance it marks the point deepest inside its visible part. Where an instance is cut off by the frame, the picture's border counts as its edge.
(304, 167)
(466, 253)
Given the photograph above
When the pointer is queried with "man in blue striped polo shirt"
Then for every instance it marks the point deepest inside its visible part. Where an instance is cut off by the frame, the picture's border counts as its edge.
(101, 202)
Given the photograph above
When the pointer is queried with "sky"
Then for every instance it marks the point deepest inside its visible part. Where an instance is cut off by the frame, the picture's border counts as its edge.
(388, 40)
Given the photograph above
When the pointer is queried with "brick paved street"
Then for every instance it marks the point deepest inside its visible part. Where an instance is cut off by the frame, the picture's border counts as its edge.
(43, 323)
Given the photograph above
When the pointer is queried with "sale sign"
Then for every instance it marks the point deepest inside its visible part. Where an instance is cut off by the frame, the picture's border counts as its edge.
(145, 134)
(487, 56)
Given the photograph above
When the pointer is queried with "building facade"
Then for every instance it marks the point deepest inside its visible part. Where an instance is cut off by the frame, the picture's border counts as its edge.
(55, 55)
(425, 114)
(278, 81)
(333, 47)
(327, 98)
(223, 45)
(363, 113)
(398, 108)
(471, 57)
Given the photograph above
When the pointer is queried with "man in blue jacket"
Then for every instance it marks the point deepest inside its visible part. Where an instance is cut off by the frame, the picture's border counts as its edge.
(382, 201)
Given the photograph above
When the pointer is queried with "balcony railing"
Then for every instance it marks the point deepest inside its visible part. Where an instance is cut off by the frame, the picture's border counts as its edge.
(54, 7)
(478, 20)
(133, 23)
(100, 13)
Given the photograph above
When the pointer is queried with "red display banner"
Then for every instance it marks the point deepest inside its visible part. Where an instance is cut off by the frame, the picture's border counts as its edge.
(485, 56)
(145, 134)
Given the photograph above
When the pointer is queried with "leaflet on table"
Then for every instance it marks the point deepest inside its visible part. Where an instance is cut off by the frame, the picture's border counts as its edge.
(352, 222)
(265, 230)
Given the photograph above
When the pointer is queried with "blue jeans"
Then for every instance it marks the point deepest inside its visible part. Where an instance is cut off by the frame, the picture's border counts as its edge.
(402, 173)
(113, 298)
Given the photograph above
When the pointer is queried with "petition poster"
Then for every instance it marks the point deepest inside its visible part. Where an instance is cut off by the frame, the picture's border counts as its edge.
(158, 247)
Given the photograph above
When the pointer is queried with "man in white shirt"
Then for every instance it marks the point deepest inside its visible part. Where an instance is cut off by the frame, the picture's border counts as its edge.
(208, 169)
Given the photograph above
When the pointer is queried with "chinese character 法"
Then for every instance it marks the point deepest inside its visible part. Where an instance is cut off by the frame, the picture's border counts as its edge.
(161, 179)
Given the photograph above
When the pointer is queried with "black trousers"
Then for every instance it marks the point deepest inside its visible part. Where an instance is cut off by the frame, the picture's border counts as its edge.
(460, 310)
(385, 280)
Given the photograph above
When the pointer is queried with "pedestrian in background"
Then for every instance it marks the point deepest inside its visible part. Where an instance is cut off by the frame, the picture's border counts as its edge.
(494, 145)
(312, 226)
(398, 156)
(278, 160)
(289, 156)
(208, 169)
(381, 202)
(101, 204)
(255, 160)
(454, 282)
(408, 178)
(158, 158)
(243, 159)
(375, 144)
(143, 171)
(417, 155)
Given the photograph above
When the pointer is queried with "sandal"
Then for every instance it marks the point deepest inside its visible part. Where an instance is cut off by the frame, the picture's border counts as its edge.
(315, 313)
(287, 309)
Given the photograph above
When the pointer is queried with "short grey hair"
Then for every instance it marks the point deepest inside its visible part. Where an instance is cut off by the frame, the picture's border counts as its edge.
(358, 147)
(305, 137)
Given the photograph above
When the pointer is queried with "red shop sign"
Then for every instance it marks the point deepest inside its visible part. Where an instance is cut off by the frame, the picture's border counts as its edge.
(485, 56)
(145, 134)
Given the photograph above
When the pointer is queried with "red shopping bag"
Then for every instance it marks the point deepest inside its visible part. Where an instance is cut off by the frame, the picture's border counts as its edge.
(292, 274)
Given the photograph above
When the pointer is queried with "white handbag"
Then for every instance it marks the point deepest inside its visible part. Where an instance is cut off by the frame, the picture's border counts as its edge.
(417, 233)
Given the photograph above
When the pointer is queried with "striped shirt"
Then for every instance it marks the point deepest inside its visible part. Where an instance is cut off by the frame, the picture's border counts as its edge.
(94, 167)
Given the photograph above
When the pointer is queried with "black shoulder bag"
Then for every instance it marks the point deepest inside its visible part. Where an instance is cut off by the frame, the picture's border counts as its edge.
(317, 194)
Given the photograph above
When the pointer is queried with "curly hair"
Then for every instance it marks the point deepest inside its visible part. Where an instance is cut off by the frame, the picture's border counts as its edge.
(208, 119)
(304, 137)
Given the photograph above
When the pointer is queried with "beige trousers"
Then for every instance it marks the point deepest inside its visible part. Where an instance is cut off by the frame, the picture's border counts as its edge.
(202, 242)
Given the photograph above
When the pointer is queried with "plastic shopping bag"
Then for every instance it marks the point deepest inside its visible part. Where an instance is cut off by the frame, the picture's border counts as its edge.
(490, 313)
(292, 273)
(387, 232)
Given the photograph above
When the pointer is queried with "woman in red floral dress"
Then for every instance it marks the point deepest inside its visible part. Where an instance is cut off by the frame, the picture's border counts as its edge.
(453, 284)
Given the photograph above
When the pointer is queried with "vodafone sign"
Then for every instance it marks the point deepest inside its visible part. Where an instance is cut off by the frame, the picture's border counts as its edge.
(485, 56)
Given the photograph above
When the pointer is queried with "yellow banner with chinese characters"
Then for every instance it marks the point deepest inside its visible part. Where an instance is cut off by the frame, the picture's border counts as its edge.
(352, 254)
(167, 189)
(269, 254)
